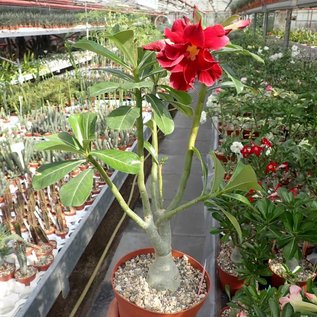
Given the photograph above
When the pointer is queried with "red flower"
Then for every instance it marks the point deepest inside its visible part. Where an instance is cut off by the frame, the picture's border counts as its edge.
(256, 150)
(294, 191)
(266, 142)
(284, 166)
(271, 167)
(246, 151)
(186, 53)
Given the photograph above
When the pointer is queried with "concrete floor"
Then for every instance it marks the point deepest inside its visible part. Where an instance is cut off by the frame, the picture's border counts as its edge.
(190, 228)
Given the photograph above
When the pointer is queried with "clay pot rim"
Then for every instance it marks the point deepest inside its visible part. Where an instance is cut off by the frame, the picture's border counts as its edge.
(175, 253)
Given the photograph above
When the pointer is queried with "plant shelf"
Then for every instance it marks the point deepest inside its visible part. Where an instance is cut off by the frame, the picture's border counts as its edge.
(41, 31)
(55, 279)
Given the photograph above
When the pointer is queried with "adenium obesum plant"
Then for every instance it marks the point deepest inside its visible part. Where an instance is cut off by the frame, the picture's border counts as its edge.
(187, 55)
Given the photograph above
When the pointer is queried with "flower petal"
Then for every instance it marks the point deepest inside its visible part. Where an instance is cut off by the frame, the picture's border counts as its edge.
(283, 301)
(176, 33)
(173, 51)
(194, 34)
(166, 62)
(215, 37)
(155, 46)
(178, 82)
(190, 72)
(208, 77)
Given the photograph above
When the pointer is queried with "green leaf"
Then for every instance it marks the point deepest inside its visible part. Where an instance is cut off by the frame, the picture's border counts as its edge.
(187, 110)
(62, 141)
(49, 174)
(123, 161)
(124, 41)
(161, 115)
(123, 118)
(236, 82)
(117, 72)
(100, 50)
(288, 310)
(77, 190)
(181, 96)
(234, 222)
(243, 179)
(275, 307)
(229, 20)
(203, 168)
(108, 86)
(232, 48)
(290, 249)
(84, 126)
(103, 88)
(240, 198)
(148, 146)
(219, 173)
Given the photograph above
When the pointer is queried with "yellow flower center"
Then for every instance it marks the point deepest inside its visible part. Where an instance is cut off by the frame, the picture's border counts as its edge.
(193, 51)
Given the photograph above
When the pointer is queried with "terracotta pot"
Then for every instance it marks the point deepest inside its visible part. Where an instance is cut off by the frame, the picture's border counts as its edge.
(7, 272)
(43, 267)
(227, 279)
(113, 310)
(62, 234)
(26, 280)
(223, 310)
(45, 249)
(128, 309)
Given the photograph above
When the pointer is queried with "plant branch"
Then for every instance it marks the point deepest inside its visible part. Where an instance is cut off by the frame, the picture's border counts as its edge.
(154, 170)
(191, 143)
(117, 194)
(140, 151)
(170, 213)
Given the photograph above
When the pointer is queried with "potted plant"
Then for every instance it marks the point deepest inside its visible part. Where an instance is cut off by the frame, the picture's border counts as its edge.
(141, 74)
(297, 224)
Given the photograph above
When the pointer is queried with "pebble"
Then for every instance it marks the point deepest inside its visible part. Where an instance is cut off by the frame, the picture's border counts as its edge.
(130, 282)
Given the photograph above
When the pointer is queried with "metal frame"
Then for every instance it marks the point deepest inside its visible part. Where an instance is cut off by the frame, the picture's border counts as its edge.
(49, 31)
(56, 277)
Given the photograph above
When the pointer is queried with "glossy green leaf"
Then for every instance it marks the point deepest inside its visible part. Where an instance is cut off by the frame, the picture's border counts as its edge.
(149, 147)
(229, 20)
(124, 41)
(105, 87)
(62, 141)
(123, 118)
(290, 249)
(77, 190)
(240, 198)
(275, 307)
(233, 48)
(204, 168)
(84, 127)
(123, 161)
(117, 72)
(234, 222)
(219, 173)
(181, 96)
(243, 179)
(236, 82)
(288, 310)
(100, 50)
(161, 115)
(49, 174)
(185, 109)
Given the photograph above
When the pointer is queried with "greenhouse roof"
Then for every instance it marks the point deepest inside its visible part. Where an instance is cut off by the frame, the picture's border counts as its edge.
(158, 6)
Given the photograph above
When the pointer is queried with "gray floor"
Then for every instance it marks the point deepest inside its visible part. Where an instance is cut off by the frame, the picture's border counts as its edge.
(190, 228)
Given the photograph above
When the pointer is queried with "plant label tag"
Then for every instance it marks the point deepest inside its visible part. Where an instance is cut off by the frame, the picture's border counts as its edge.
(17, 147)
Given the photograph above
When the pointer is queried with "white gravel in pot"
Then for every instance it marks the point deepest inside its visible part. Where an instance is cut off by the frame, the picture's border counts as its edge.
(130, 282)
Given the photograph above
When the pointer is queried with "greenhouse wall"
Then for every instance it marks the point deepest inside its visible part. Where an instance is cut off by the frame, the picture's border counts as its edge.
(300, 19)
